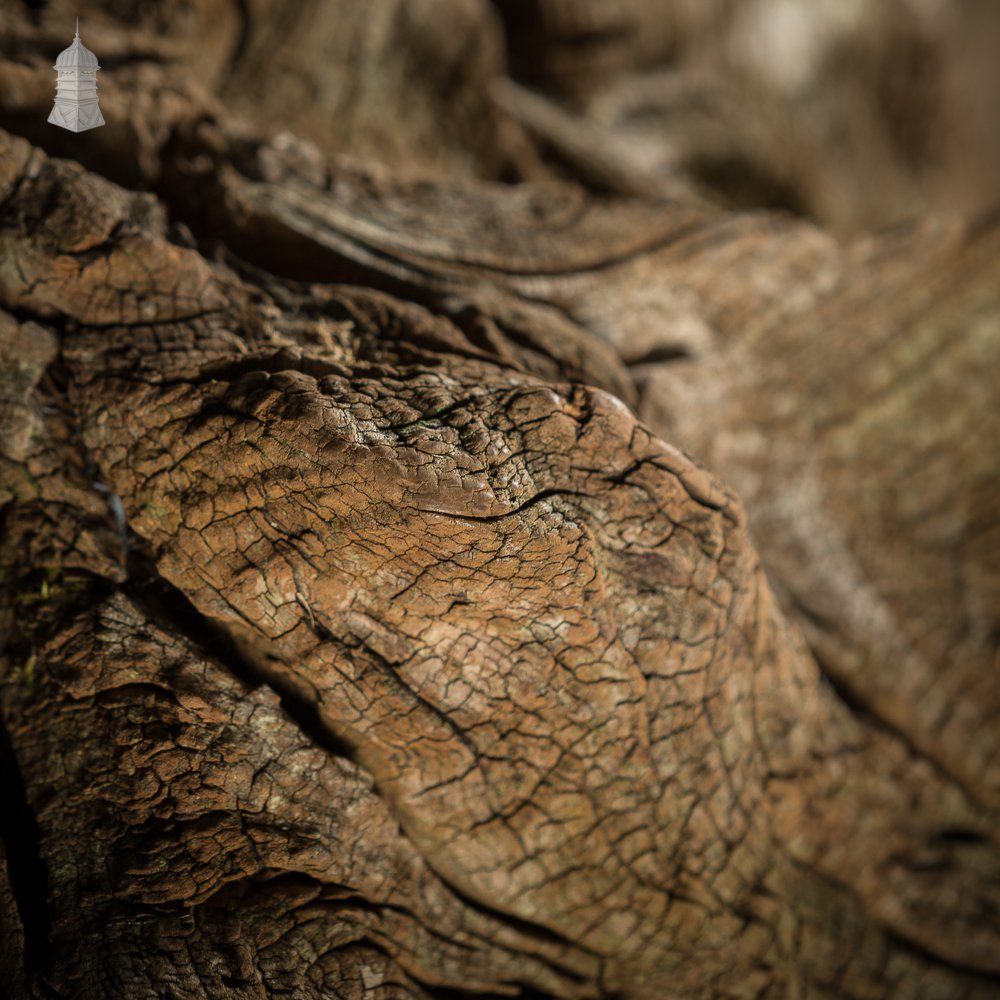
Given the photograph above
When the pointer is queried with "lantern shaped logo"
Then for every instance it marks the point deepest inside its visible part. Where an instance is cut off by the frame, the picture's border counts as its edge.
(76, 106)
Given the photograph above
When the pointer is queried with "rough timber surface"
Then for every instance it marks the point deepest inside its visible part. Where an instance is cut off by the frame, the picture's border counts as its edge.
(365, 631)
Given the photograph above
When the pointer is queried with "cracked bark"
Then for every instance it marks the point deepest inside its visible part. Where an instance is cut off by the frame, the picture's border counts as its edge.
(359, 640)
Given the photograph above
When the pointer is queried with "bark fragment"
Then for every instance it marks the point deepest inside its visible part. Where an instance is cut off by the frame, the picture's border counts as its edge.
(357, 640)
(373, 661)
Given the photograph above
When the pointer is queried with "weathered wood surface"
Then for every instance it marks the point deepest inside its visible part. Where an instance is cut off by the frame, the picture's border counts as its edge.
(855, 115)
(364, 636)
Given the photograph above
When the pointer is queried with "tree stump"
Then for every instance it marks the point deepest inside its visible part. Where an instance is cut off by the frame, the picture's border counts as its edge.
(365, 630)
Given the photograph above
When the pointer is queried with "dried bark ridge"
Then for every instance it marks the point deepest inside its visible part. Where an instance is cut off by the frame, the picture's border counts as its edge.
(755, 394)
(537, 634)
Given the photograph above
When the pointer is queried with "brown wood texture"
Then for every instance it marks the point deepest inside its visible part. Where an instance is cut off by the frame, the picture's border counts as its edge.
(367, 628)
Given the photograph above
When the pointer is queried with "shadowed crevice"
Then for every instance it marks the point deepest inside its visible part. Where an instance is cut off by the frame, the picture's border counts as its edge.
(27, 870)
(170, 608)
(933, 958)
